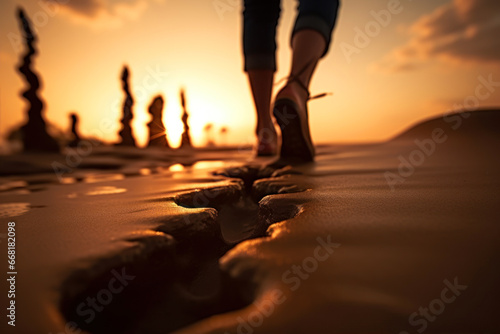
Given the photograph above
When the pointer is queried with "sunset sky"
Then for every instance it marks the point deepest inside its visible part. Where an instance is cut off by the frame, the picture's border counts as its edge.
(423, 60)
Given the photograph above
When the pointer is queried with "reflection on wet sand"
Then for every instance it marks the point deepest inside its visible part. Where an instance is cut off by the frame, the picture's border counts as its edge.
(176, 168)
(94, 178)
(107, 190)
(200, 165)
(8, 210)
(11, 185)
(104, 190)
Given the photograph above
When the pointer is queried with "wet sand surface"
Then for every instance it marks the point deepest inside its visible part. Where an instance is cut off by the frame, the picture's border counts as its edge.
(383, 238)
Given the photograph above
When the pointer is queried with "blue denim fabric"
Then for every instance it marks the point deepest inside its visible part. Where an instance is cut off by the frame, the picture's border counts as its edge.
(260, 18)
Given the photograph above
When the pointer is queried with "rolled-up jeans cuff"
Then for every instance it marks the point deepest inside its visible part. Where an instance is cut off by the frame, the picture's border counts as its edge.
(260, 62)
(316, 23)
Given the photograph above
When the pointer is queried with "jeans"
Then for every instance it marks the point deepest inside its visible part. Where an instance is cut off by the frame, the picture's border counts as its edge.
(260, 18)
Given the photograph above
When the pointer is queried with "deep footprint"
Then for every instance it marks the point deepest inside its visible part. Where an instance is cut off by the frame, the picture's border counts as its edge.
(177, 280)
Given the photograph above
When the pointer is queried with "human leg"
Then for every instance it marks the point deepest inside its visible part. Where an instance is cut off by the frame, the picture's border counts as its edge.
(310, 42)
(260, 19)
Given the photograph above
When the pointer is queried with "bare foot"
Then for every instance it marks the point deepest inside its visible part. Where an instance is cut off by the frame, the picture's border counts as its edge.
(267, 140)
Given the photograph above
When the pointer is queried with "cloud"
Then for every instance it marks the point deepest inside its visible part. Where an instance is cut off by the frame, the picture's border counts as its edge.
(87, 8)
(461, 30)
(101, 13)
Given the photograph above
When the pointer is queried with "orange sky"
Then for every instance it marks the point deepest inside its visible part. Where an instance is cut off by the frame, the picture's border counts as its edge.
(420, 62)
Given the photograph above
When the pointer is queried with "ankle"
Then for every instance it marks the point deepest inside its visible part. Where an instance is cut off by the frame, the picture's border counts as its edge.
(294, 90)
(267, 128)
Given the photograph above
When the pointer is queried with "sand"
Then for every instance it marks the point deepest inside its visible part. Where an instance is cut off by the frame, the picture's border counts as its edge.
(395, 237)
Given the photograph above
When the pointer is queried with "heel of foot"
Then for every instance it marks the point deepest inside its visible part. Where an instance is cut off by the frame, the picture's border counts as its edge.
(295, 143)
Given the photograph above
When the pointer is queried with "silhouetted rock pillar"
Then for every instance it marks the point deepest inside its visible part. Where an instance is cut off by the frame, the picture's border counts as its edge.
(74, 131)
(127, 138)
(34, 132)
(186, 138)
(157, 132)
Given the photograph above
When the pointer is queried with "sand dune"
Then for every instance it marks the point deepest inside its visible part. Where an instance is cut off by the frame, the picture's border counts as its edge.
(479, 122)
